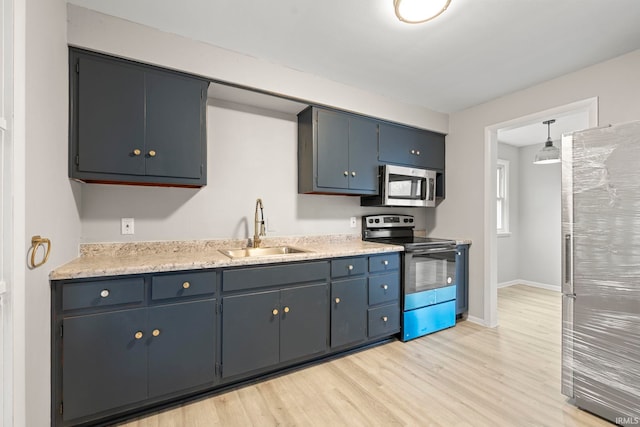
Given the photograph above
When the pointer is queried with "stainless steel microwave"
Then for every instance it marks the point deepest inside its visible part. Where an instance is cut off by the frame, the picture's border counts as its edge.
(404, 186)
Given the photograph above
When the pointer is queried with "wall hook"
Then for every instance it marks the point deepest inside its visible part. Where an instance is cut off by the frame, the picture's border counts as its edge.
(36, 242)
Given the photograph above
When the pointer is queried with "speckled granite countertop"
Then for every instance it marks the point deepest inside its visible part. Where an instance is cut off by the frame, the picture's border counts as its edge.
(112, 259)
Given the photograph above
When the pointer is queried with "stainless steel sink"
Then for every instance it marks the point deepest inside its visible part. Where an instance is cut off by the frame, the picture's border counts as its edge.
(253, 252)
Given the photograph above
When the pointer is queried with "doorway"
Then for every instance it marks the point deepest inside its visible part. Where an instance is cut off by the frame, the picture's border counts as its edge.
(526, 245)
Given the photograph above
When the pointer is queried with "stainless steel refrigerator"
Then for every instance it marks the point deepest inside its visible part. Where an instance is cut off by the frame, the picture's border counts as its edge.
(601, 271)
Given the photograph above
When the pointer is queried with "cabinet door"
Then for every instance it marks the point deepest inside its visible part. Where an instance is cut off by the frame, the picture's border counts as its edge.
(413, 147)
(304, 319)
(363, 154)
(104, 365)
(250, 332)
(348, 311)
(462, 279)
(182, 349)
(110, 121)
(333, 149)
(173, 123)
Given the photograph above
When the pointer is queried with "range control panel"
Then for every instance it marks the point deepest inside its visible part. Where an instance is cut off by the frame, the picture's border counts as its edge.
(387, 221)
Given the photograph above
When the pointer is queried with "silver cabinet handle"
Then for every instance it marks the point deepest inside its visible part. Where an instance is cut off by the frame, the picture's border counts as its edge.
(385, 262)
(385, 287)
(417, 153)
(353, 173)
(346, 173)
(350, 267)
(104, 293)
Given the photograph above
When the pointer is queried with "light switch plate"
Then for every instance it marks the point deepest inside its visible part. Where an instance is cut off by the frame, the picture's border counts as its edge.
(353, 222)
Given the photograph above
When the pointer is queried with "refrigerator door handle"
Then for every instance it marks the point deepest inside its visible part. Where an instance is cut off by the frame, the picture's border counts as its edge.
(567, 261)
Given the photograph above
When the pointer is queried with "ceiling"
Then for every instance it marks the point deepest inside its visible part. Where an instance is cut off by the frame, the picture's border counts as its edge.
(476, 51)
(536, 132)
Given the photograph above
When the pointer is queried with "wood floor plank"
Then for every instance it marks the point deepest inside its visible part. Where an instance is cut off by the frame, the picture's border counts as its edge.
(463, 376)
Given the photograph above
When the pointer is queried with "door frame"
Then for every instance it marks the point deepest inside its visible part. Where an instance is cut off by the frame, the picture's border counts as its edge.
(13, 205)
(589, 106)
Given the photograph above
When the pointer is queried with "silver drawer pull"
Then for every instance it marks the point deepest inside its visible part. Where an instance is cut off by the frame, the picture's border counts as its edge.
(350, 267)
(385, 287)
(385, 262)
(449, 280)
(104, 293)
(385, 318)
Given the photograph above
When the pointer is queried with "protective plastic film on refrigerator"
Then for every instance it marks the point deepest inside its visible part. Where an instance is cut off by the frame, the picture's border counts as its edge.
(601, 271)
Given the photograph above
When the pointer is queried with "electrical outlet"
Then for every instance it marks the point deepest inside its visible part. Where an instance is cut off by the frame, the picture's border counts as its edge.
(353, 222)
(126, 226)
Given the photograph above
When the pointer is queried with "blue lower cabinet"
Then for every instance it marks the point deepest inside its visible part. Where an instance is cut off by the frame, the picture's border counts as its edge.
(425, 320)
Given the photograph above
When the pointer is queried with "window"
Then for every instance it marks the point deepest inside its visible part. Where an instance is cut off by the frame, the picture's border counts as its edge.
(502, 211)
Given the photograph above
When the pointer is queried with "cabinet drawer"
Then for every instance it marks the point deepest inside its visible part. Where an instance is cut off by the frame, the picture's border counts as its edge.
(384, 262)
(384, 288)
(274, 275)
(426, 298)
(183, 285)
(102, 293)
(428, 319)
(445, 294)
(384, 320)
(348, 267)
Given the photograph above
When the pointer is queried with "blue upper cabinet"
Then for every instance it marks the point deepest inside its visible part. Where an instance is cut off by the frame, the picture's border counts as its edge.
(131, 123)
(337, 153)
(412, 147)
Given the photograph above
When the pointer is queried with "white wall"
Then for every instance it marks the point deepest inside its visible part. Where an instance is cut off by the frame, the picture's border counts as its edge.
(508, 250)
(540, 219)
(251, 153)
(614, 82)
(531, 253)
(51, 208)
(104, 33)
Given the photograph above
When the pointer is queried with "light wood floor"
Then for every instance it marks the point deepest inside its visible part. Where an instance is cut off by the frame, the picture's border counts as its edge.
(464, 376)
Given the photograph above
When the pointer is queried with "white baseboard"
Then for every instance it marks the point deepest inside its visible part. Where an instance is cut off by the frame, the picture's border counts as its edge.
(478, 321)
(530, 283)
(509, 283)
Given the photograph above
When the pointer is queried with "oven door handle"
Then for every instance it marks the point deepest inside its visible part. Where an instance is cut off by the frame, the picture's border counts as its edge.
(432, 250)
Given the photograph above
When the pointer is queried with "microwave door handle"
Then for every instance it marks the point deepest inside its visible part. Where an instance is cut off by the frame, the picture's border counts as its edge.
(431, 190)
(424, 191)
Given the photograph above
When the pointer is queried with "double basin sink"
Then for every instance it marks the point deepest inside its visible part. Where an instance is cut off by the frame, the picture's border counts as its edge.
(258, 252)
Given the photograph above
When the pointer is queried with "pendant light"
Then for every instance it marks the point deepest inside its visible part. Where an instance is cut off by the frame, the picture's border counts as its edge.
(419, 11)
(549, 153)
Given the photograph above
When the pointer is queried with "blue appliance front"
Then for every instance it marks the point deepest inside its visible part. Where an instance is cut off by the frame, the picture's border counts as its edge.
(429, 302)
(426, 320)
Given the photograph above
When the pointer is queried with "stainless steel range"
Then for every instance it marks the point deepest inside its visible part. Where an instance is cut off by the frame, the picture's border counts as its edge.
(428, 273)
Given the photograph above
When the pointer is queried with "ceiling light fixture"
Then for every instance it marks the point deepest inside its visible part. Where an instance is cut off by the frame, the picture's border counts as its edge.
(419, 11)
(549, 153)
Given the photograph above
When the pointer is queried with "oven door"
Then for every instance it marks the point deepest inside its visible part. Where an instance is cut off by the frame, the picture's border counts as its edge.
(425, 271)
